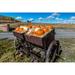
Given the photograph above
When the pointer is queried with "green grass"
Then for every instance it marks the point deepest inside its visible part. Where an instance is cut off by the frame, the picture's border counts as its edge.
(7, 52)
(1, 31)
(68, 50)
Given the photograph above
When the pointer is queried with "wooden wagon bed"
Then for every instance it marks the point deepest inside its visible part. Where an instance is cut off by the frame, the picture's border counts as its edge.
(47, 42)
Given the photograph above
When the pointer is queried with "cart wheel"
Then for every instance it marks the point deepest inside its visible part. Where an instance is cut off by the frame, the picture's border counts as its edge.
(54, 56)
(57, 51)
(49, 52)
(53, 51)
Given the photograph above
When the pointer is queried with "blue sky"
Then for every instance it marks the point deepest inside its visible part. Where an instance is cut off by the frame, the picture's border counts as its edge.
(44, 17)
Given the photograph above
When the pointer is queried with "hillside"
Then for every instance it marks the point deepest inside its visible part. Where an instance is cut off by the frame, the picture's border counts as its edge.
(57, 25)
(64, 25)
(5, 19)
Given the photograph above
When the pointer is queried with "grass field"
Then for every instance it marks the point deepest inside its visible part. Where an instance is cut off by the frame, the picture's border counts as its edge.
(64, 25)
(68, 50)
(7, 51)
(59, 25)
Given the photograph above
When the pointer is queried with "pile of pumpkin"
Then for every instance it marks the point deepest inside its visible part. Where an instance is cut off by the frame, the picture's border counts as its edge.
(37, 30)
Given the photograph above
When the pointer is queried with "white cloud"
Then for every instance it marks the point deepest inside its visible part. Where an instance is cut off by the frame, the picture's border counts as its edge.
(55, 14)
(68, 21)
(50, 17)
(72, 21)
(40, 18)
(30, 19)
(65, 22)
(58, 19)
(72, 18)
(19, 18)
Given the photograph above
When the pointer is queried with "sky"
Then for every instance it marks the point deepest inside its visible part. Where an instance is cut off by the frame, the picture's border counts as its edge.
(63, 18)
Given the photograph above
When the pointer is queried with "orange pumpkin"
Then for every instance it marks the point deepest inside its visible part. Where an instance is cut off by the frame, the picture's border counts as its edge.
(45, 29)
(21, 29)
(36, 26)
(17, 29)
(42, 26)
(29, 26)
(39, 32)
(50, 27)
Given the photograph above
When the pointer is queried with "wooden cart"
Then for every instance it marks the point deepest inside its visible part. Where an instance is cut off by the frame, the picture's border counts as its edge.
(45, 49)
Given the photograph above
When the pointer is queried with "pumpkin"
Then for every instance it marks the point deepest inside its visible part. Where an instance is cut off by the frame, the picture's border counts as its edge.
(39, 32)
(24, 27)
(50, 27)
(29, 26)
(21, 29)
(35, 26)
(42, 26)
(45, 29)
(17, 29)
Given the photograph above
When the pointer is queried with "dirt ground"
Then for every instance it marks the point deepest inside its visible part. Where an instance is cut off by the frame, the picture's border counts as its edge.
(68, 50)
